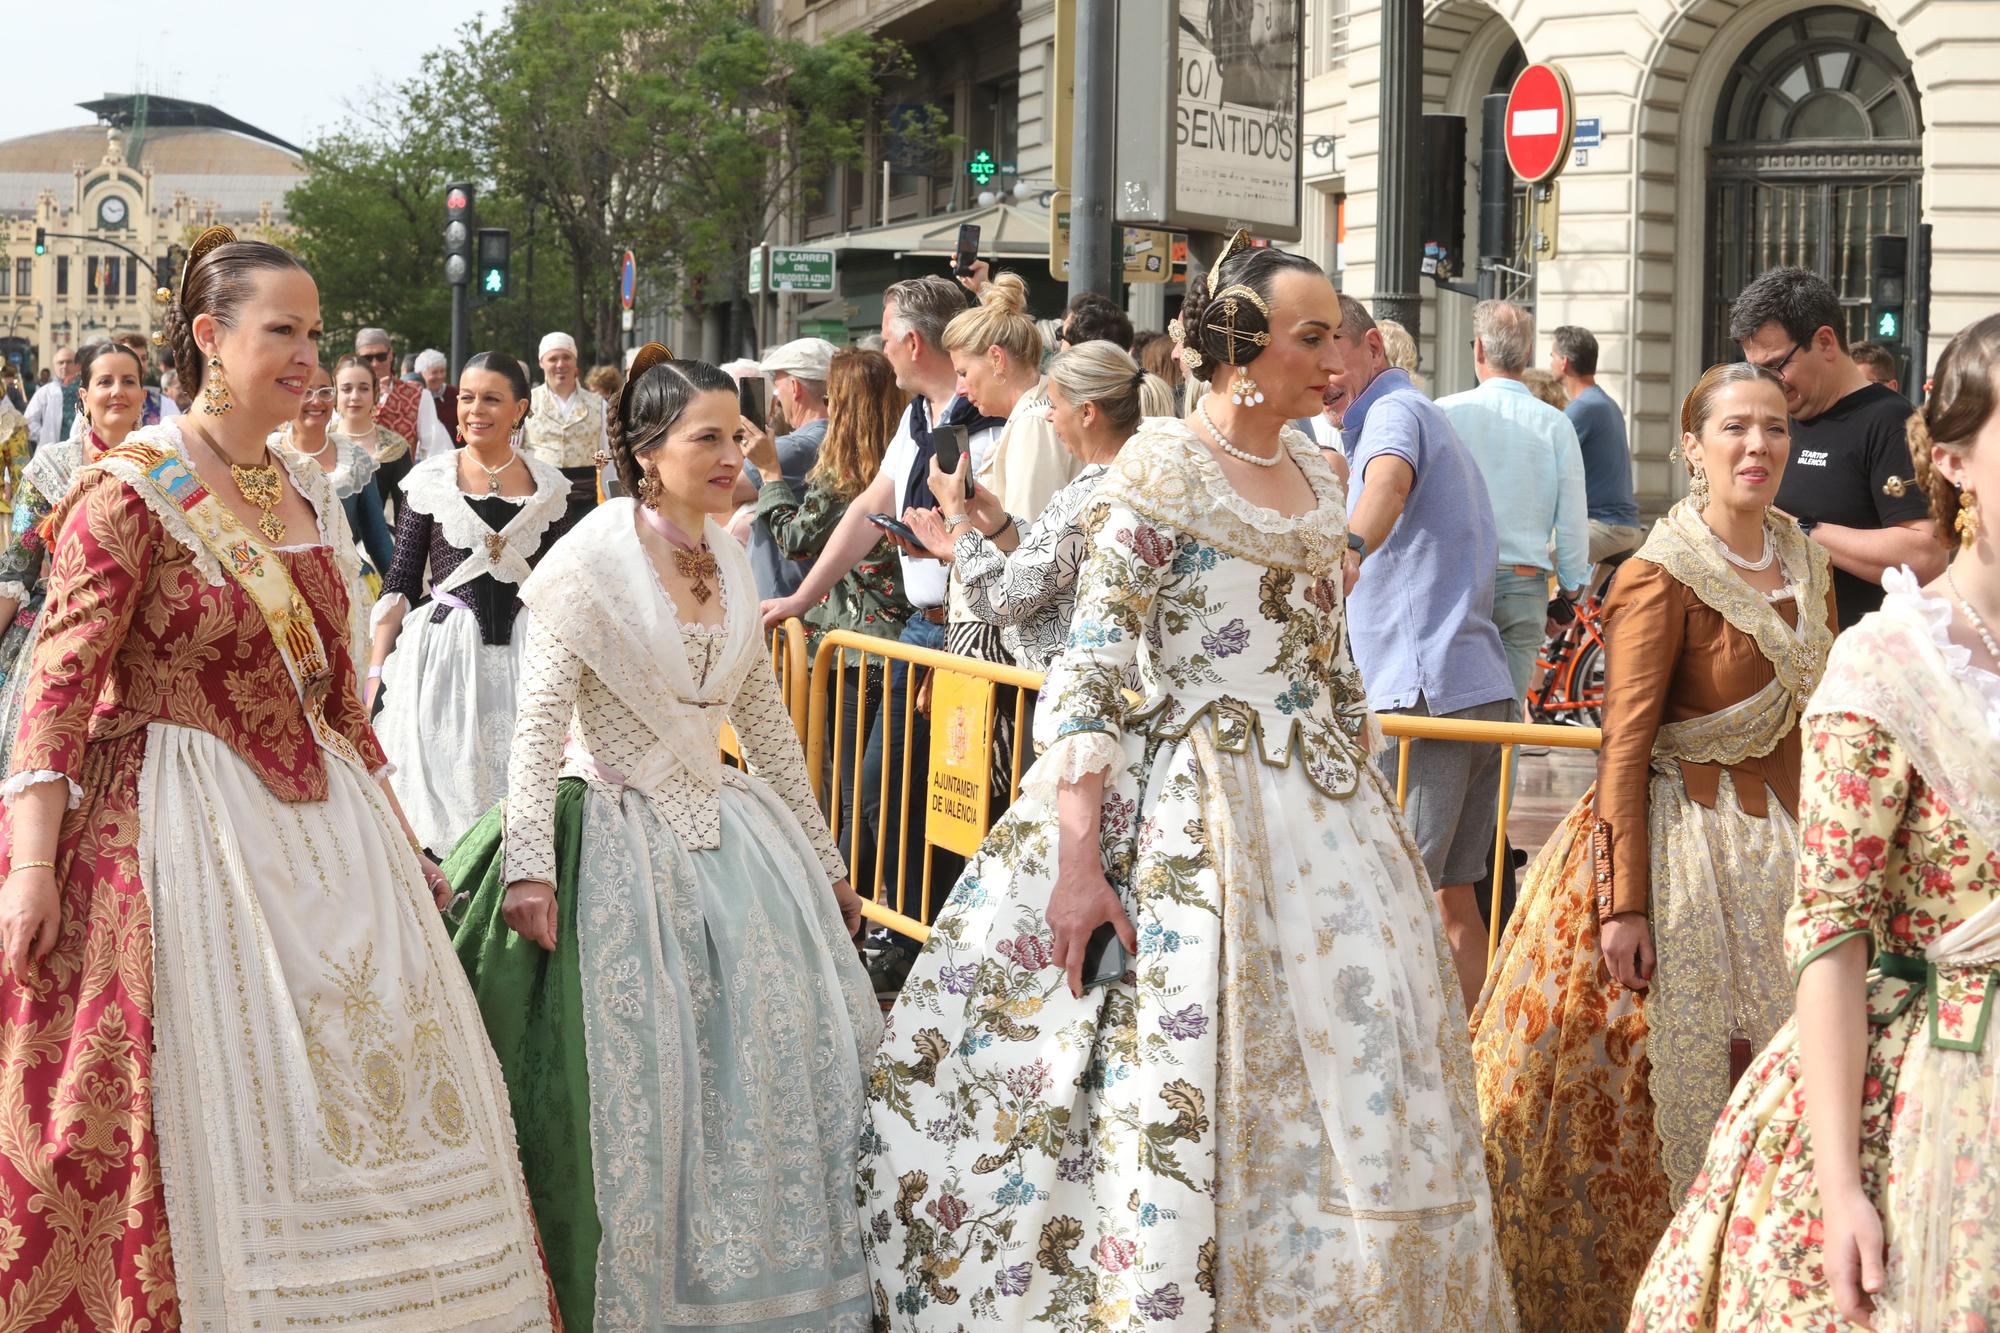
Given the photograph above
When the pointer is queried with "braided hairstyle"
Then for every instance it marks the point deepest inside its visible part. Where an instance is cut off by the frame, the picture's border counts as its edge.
(649, 406)
(1962, 400)
(217, 284)
(1257, 268)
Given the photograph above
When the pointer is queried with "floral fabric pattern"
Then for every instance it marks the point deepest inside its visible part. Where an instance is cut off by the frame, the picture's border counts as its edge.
(1886, 856)
(1030, 593)
(869, 598)
(1268, 1120)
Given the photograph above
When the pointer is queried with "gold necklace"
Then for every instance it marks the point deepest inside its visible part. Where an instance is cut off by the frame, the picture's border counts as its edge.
(258, 485)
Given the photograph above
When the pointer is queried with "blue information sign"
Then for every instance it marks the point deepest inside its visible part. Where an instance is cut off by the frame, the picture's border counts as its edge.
(1589, 132)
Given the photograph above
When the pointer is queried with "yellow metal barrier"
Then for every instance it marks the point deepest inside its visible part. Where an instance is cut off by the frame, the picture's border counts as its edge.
(847, 661)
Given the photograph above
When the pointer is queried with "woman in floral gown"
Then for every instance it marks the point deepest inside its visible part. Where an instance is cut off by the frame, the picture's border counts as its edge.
(244, 1084)
(108, 407)
(1641, 968)
(1263, 1115)
(1856, 1173)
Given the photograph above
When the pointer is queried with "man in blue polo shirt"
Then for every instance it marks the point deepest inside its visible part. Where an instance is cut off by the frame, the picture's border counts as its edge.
(1421, 616)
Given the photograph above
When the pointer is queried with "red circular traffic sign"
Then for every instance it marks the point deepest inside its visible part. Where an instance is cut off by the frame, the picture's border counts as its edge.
(1541, 122)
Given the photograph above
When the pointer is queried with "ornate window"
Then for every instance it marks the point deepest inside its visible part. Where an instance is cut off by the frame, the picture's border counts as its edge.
(1817, 150)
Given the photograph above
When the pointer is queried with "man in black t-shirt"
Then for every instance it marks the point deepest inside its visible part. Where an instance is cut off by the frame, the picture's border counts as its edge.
(1849, 478)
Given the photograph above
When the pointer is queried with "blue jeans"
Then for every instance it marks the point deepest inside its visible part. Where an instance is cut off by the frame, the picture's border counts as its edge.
(1520, 613)
(899, 827)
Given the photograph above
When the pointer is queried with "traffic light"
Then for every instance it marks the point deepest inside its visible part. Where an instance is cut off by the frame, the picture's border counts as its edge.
(1888, 287)
(41, 240)
(495, 245)
(458, 233)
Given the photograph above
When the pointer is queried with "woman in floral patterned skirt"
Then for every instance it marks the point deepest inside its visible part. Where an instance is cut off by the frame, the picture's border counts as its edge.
(1642, 968)
(1855, 1175)
(1260, 1114)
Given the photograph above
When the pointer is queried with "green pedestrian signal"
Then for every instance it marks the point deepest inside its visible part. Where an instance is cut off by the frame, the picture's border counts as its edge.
(494, 250)
(494, 282)
(1888, 325)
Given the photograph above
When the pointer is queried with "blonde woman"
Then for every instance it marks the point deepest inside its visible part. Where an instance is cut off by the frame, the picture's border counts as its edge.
(1021, 576)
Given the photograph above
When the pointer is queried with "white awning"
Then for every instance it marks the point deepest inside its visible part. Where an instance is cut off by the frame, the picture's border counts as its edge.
(1005, 231)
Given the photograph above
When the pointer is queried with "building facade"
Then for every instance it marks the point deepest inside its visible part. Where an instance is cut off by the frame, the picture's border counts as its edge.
(1737, 135)
(109, 200)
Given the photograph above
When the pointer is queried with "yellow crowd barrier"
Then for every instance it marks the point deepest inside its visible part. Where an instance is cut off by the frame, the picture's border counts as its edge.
(861, 664)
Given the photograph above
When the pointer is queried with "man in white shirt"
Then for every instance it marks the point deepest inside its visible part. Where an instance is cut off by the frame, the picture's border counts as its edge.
(45, 409)
(565, 426)
(914, 313)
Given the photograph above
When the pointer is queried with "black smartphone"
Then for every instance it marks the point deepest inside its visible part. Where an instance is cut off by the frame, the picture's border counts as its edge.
(750, 398)
(968, 249)
(897, 526)
(1104, 958)
(949, 443)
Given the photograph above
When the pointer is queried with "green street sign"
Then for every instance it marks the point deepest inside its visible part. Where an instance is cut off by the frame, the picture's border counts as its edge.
(756, 270)
(799, 269)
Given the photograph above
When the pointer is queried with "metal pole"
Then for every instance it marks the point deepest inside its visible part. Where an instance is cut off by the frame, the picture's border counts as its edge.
(1496, 194)
(1093, 255)
(458, 352)
(1398, 247)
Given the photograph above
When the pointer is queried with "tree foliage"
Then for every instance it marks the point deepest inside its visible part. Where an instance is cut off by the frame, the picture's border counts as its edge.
(678, 129)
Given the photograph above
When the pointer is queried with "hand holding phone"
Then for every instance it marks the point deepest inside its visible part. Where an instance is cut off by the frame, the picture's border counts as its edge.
(750, 397)
(900, 530)
(949, 444)
(967, 250)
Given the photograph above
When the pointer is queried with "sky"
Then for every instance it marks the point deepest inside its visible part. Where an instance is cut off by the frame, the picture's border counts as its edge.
(293, 70)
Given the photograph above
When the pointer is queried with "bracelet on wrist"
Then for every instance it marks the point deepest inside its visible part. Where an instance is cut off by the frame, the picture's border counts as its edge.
(31, 865)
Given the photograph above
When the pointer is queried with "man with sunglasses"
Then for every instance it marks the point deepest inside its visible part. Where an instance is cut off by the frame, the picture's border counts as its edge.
(403, 407)
(1848, 481)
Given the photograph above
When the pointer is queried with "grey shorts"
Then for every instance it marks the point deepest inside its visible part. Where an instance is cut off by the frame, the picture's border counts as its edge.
(1454, 795)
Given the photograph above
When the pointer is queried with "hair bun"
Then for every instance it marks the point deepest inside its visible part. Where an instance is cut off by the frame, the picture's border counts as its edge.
(1006, 293)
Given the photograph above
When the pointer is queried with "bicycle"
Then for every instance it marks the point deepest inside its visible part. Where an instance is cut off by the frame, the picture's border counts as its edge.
(1568, 685)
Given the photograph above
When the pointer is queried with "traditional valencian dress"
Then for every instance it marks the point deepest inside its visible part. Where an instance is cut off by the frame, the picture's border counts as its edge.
(1598, 1101)
(44, 482)
(352, 480)
(568, 434)
(1268, 1122)
(448, 689)
(687, 1065)
(251, 1036)
(1900, 844)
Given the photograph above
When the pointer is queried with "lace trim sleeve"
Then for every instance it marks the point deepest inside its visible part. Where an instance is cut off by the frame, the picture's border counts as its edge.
(771, 745)
(20, 782)
(551, 676)
(17, 592)
(1069, 761)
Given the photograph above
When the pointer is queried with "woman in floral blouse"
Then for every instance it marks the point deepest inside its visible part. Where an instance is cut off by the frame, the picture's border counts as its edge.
(1259, 1111)
(1855, 1173)
(863, 405)
(1022, 578)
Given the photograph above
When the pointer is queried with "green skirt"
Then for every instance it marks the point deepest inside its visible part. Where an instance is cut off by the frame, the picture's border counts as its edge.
(532, 1001)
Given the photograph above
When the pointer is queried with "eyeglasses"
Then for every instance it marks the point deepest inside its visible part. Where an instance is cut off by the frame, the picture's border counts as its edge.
(373, 356)
(1778, 367)
(323, 394)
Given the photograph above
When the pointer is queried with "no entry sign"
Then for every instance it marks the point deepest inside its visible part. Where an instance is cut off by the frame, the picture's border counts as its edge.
(1541, 121)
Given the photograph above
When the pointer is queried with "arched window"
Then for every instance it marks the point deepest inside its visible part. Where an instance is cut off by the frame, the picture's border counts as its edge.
(1817, 151)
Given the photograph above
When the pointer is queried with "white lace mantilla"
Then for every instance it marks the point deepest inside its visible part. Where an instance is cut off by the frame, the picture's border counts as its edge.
(432, 489)
(1899, 667)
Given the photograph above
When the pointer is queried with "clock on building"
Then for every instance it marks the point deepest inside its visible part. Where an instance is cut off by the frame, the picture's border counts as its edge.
(111, 212)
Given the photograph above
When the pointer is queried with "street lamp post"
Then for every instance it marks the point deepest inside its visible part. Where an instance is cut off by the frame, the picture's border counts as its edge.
(1397, 243)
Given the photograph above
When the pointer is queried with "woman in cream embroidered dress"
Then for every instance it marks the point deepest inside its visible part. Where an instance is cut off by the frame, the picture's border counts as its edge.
(659, 946)
(1855, 1175)
(1266, 1118)
(1598, 1091)
(245, 1084)
(448, 630)
(108, 408)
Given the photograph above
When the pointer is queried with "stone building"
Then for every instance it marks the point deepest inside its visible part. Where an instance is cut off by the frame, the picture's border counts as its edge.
(150, 175)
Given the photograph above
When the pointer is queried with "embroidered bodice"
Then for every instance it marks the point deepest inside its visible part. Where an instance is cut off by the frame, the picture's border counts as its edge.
(44, 482)
(1899, 819)
(144, 625)
(565, 435)
(1233, 613)
(477, 548)
(615, 691)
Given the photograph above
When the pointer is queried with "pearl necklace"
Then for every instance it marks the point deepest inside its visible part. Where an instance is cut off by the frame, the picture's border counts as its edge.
(1754, 566)
(493, 473)
(1222, 441)
(1971, 616)
(317, 455)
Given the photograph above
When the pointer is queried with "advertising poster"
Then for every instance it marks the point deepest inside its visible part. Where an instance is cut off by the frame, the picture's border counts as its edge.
(1236, 108)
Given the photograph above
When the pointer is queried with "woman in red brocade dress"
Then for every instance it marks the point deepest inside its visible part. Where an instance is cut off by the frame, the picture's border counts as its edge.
(242, 1082)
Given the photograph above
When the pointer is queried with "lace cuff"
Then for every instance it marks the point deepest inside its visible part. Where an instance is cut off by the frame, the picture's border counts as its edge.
(17, 592)
(1069, 760)
(382, 773)
(20, 782)
(384, 605)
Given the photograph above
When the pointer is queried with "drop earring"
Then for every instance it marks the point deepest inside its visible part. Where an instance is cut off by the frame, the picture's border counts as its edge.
(1698, 489)
(215, 398)
(1967, 522)
(1243, 390)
